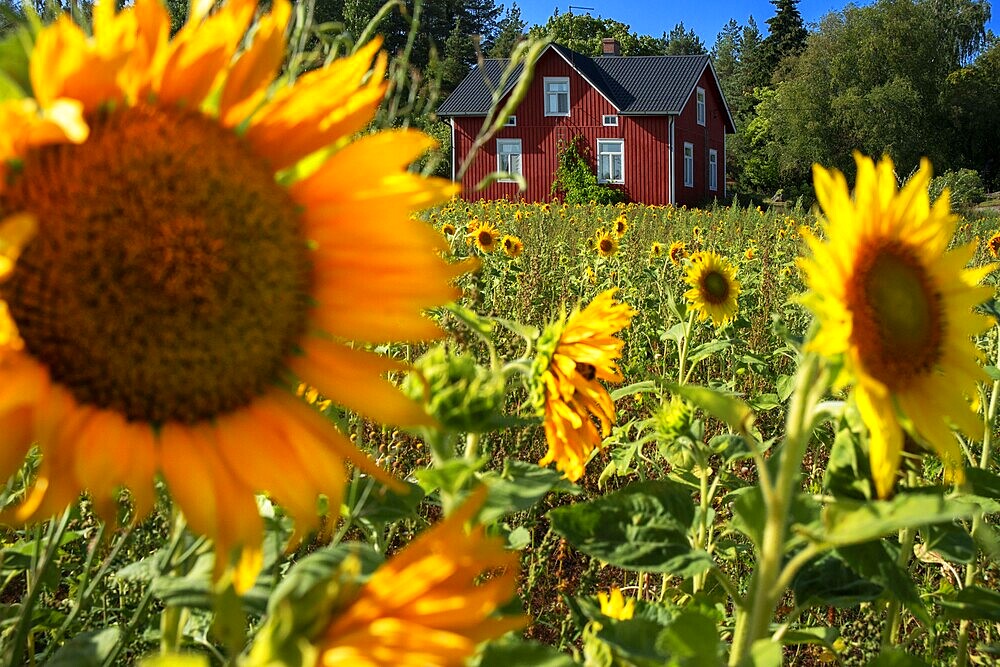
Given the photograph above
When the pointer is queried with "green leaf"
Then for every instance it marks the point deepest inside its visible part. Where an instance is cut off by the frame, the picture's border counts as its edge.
(87, 648)
(821, 636)
(381, 504)
(451, 477)
(644, 387)
(706, 350)
(848, 473)
(749, 514)
(693, 638)
(847, 522)
(519, 538)
(519, 487)
(973, 603)
(15, 81)
(724, 407)
(320, 566)
(177, 660)
(510, 652)
(878, 561)
(765, 653)
(635, 639)
(950, 541)
(643, 527)
(829, 580)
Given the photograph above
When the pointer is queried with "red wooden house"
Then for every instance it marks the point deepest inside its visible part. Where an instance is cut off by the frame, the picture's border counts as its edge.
(656, 125)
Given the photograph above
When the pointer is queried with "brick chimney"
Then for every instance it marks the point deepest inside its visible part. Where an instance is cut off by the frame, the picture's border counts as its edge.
(610, 47)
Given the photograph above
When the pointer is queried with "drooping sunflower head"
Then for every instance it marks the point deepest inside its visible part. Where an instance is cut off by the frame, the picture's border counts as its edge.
(678, 251)
(898, 307)
(448, 229)
(605, 243)
(994, 245)
(485, 236)
(621, 225)
(160, 309)
(656, 249)
(513, 246)
(573, 355)
(714, 287)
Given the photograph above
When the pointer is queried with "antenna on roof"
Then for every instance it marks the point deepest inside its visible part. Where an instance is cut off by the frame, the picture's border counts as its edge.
(572, 7)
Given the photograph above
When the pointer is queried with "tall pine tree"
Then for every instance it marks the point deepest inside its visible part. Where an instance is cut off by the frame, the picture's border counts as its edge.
(787, 34)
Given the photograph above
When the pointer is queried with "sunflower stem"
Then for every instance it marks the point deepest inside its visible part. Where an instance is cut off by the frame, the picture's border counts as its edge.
(972, 570)
(682, 362)
(894, 614)
(811, 383)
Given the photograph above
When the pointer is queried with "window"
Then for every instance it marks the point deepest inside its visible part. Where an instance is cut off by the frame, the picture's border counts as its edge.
(556, 96)
(610, 161)
(511, 121)
(713, 169)
(701, 105)
(688, 165)
(509, 157)
(610, 120)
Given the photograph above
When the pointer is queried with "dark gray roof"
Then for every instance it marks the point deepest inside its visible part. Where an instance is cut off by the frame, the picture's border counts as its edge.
(634, 84)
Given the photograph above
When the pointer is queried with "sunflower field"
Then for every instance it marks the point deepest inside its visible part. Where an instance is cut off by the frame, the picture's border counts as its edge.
(256, 412)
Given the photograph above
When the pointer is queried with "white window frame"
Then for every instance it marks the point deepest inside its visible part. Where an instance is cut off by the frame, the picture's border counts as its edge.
(509, 148)
(609, 148)
(552, 97)
(511, 121)
(713, 169)
(610, 120)
(688, 165)
(700, 103)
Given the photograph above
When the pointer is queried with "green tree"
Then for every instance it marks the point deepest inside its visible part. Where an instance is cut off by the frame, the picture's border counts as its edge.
(683, 42)
(855, 89)
(972, 97)
(787, 34)
(584, 33)
(510, 30)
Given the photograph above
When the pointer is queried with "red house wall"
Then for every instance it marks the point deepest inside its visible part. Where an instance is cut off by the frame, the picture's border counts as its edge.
(703, 137)
(646, 142)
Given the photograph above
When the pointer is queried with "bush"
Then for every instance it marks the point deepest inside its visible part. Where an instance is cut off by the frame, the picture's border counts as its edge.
(965, 185)
(576, 180)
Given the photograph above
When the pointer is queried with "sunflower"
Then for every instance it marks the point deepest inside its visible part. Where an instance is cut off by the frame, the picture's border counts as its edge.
(750, 253)
(621, 226)
(897, 305)
(614, 605)
(448, 229)
(605, 243)
(714, 287)
(485, 236)
(994, 245)
(513, 246)
(573, 354)
(656, 250)
(181, 278)
(678, 251)
(424, 605)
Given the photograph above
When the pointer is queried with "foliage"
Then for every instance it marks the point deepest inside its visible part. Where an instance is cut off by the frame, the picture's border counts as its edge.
(510, 30)
(965, 186)
(786, 33)
(576, 180)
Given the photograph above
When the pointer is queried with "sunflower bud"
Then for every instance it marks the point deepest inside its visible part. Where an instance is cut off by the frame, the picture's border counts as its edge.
(458, 392)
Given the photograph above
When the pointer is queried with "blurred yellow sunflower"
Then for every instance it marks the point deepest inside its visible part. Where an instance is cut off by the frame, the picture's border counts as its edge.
(678, 251)
(573, 354)
(994, 245)
(621, 225)
(656, 250)
(448, 229)
(605, 243)
(426, 605)
(180, 279)
(485, 236)
(614, 605)
(513, 246)
(897, 305)
(714, 287)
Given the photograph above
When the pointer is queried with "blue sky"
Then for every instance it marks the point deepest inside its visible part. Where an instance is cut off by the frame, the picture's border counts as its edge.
(654, 17)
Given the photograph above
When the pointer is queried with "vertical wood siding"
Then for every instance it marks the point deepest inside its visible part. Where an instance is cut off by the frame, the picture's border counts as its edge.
(646, 142)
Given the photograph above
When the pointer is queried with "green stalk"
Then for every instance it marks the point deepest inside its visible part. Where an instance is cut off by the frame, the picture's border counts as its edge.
(764, 591)
(895, 611)
(682, 362)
